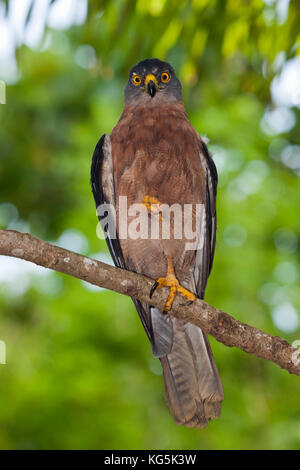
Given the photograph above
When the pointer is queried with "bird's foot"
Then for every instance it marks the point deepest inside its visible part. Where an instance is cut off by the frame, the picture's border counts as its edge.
(171, 281)
(153, 205)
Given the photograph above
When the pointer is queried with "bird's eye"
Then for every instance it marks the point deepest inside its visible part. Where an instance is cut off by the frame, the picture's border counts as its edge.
(165, 77)
(137, 80)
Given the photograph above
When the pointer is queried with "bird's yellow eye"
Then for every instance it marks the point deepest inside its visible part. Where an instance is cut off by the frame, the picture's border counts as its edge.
(137, 80)
(165, 77)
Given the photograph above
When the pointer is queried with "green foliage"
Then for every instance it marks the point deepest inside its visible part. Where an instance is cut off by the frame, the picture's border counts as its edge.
(79, 370)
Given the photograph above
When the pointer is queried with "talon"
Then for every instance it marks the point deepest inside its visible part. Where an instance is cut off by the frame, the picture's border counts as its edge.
(153, 289)
(172, 282)
(190, 296)
(187, 304)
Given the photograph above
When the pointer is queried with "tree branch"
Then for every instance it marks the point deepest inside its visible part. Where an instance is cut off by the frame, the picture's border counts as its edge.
(219, 324)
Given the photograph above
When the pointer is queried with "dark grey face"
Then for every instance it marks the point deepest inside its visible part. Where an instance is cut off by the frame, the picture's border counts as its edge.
(152, 81)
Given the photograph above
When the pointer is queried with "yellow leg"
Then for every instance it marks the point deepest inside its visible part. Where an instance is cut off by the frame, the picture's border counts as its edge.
(171, 281)
(154, 207)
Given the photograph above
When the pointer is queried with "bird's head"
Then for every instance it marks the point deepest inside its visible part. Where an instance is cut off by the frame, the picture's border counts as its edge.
(152, 81)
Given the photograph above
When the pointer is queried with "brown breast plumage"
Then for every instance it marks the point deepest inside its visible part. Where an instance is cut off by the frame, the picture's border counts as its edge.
(156, 152)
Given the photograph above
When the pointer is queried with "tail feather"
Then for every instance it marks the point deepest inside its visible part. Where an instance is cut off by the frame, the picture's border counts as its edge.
(193, 387)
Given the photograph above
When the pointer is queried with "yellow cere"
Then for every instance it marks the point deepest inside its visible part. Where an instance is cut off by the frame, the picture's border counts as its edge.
(150, 77)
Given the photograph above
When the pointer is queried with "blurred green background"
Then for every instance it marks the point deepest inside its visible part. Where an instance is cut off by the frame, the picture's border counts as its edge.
(79, 372)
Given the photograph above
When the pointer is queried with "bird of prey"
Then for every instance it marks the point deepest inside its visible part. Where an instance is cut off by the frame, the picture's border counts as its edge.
(155, 157)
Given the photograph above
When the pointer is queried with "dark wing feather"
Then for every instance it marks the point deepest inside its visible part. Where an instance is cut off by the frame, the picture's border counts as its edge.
(103, 191)
(204, 256)
(211, 196)
(100, 197)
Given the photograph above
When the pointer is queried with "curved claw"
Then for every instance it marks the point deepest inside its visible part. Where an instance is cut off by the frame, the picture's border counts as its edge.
(187, 304)
(153, 289)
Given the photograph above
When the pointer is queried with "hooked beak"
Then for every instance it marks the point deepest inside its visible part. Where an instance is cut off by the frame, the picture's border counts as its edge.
(151, 85)
(151, 88)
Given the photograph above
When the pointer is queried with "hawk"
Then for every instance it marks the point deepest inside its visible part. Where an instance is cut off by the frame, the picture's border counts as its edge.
(155, 157)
